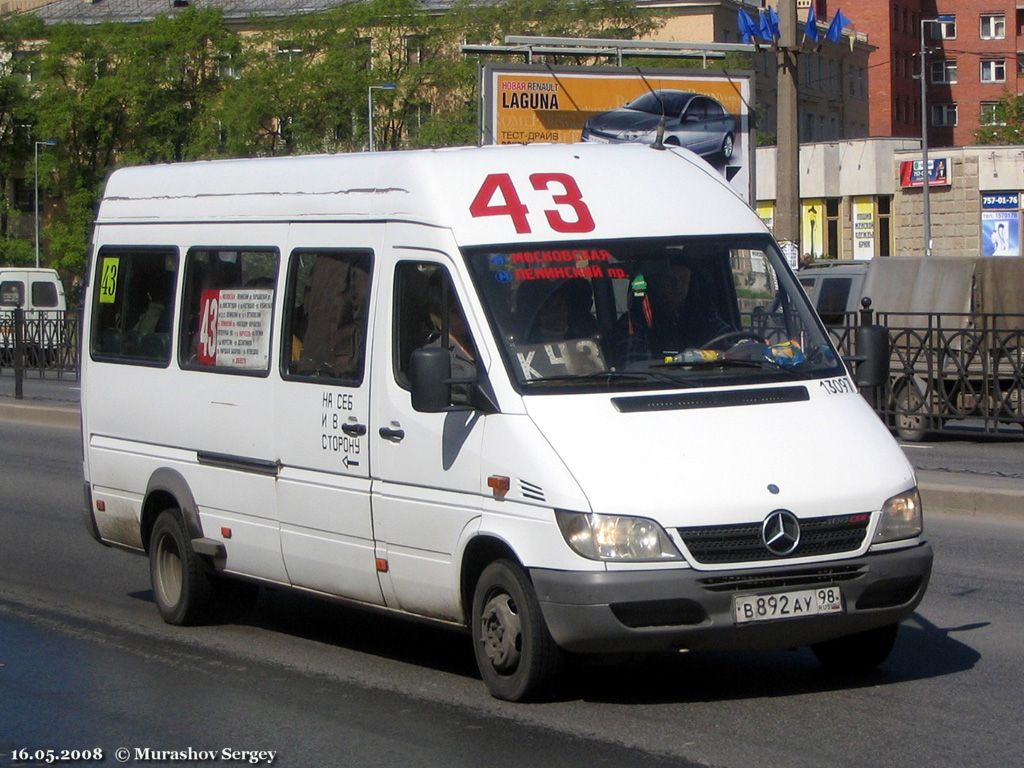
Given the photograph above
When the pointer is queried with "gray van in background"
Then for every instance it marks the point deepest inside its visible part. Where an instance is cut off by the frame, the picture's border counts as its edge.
(956, 328)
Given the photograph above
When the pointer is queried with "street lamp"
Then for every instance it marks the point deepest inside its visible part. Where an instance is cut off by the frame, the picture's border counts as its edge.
(369, 105)
(813, 212)
(35, 148)
(925, 165)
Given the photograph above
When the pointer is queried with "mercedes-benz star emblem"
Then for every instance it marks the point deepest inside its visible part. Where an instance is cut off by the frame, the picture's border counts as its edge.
(780, 532)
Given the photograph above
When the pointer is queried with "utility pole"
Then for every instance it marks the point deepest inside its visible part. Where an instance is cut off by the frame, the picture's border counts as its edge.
(787, 131)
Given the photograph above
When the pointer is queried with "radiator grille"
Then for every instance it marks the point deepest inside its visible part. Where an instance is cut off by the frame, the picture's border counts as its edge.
(742, 543)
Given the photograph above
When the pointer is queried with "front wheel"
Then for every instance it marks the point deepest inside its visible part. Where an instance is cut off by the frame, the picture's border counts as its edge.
(857, 653)
(517, 657)
(181, 583)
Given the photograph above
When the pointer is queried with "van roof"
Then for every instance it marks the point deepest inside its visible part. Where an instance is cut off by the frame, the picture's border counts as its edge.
(30, 270)
(497, 194)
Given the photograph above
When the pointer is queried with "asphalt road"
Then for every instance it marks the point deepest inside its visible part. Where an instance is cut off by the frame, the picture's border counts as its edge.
(85, 662)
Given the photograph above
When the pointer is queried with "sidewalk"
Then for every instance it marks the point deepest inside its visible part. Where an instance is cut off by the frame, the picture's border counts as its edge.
(56, 403)
(45, 401)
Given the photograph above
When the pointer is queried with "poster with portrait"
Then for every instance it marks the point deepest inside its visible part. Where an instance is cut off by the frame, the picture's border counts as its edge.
(1000, 233)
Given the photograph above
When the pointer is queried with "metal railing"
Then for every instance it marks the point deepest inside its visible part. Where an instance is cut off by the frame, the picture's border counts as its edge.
(949, 371)
(48, 341)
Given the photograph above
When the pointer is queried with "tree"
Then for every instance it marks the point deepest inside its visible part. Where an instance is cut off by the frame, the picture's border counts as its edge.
(1007, 124)
(16, 59)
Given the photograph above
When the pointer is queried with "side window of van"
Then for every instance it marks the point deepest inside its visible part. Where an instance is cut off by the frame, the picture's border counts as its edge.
(427, 313)
(326, 308)
(44, 294)
(12, 294)
(134, 305)
(227, 309)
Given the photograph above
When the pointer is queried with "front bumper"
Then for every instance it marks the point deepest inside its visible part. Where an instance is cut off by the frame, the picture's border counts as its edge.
(666, 610)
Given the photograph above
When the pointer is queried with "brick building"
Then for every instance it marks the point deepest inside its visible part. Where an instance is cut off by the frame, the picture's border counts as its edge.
(972, 60)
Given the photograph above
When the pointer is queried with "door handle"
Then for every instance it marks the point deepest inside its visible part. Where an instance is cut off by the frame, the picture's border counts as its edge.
(394, 435)
(354, 430)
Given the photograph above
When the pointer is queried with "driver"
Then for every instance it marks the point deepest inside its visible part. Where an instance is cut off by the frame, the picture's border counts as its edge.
(668, 314)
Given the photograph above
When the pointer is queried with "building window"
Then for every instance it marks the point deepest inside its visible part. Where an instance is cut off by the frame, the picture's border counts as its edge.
(989, 113)
(289, 50)
(943, 71)
(944, 115)
(943, 30)
(832, 227)
(413, 49)
(884, 226)
(993, 26)
(993, 71)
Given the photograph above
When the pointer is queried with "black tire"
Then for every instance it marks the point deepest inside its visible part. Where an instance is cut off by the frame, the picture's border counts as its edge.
(182, 586)
(518, 659)
(857, 653)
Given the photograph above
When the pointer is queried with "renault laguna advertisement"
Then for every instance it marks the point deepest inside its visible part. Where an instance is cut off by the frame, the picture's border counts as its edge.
(703, 111)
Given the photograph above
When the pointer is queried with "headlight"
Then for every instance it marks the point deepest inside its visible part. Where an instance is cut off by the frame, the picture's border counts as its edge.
(612, 537)
(901, 517)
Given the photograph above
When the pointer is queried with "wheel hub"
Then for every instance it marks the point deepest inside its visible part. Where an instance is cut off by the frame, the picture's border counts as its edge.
(501, 633)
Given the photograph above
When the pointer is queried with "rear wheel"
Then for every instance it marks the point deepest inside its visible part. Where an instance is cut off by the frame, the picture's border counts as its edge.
(857, 653)
(182, 586)
(517, 657)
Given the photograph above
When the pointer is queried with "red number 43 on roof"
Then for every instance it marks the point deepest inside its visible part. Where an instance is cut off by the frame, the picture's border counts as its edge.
(497, 196)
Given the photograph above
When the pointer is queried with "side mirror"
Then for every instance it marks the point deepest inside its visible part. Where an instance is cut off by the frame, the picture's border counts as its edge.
(431, 372)
(872, 355)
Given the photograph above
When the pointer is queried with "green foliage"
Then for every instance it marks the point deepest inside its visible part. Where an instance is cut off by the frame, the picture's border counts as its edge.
(68, 234)
(186, 87)
(15, 252)
(1009, 119)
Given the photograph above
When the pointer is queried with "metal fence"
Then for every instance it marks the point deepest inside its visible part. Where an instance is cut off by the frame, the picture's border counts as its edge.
(49, 341)
(949, 372)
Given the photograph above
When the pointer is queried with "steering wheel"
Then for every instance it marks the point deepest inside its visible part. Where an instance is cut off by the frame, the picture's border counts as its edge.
(732, 336)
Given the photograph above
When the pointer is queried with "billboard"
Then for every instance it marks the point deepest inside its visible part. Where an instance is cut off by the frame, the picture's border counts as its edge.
(863, 228)
(705, 111)
(912, 173)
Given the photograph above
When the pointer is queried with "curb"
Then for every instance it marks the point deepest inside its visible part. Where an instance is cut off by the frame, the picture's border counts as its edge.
(972, 495)
(67, 416)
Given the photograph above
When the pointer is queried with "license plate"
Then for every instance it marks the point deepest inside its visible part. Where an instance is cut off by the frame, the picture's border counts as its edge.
(787, 605)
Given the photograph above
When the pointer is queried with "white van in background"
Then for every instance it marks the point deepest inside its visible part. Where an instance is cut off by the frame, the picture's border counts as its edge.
(40, 295)
(34, 290)
(568, 397)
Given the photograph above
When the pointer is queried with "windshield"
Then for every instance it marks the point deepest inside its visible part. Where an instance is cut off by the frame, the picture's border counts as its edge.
(649, 314)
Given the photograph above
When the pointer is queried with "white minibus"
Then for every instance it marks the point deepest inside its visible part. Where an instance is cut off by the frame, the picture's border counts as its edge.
(568, 397)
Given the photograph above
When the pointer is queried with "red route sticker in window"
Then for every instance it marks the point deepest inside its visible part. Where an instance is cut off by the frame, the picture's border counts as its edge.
(206, 350)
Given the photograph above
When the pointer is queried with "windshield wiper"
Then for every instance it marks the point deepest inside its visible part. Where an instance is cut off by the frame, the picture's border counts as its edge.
(724, 362)
(606, 376)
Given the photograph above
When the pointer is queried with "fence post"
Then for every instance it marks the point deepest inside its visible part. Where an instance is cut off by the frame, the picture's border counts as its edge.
(19, 353)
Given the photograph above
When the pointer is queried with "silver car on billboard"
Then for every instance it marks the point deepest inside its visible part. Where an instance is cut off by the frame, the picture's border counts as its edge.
(692, 120)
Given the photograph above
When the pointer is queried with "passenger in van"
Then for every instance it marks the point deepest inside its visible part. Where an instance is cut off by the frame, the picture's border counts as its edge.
(666, 316)
(556, 313)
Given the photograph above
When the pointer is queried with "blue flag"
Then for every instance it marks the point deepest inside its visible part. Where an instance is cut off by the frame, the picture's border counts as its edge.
(811, 25)
(748, 29)
(835, 29)
(769, 24)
